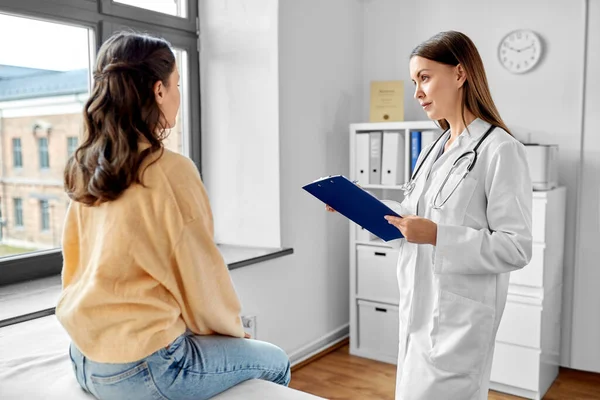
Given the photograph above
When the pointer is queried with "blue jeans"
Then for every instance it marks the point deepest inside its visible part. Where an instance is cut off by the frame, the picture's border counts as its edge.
(192, 367)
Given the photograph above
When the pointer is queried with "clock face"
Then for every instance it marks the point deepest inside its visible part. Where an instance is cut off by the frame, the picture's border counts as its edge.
(520, 51)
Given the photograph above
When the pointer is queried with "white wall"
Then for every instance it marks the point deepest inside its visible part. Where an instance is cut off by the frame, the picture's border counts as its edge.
(586, 317)
(301, 298)
(328, 52)
(547, 102)
(240, 119)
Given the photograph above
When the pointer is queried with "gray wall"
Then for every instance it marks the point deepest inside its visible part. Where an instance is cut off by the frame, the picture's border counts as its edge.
(586, 306)
(328, 53)
(301, 301)
(319, 49)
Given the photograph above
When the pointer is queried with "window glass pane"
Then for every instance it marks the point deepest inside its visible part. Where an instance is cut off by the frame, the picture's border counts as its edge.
(178, 138)
(72, 143)
(44, 83)
(45, 214)
(17, 155)
(18, 208)
(171, 7)
(43, 147)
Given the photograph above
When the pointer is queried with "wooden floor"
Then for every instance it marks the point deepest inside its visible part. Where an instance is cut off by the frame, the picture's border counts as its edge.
(338, 375)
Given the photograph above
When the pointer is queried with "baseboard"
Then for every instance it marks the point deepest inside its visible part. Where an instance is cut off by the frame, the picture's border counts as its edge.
(320, 346)
(515, 391)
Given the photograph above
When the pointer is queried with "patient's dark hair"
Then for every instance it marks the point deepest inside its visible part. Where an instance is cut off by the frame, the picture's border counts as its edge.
(121, 111)
(453, 48)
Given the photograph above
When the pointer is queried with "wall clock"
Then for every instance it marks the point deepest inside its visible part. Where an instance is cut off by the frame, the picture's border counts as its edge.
(520, 51)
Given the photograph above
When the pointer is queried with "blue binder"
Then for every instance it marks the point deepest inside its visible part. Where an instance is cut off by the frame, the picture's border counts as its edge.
(415, 149)
(350, 200)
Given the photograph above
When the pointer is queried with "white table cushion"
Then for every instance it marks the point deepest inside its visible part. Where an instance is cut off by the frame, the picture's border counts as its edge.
(34, 364)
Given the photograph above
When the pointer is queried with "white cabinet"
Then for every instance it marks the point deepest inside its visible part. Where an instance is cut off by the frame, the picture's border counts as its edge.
(376, 274)
(527, 352)
(378, 330)
(374, 293)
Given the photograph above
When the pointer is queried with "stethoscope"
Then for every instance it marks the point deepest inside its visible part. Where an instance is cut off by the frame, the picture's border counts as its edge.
(470, 156)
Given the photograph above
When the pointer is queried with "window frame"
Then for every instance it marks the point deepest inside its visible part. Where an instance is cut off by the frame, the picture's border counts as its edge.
(109, 7)
(104, 17)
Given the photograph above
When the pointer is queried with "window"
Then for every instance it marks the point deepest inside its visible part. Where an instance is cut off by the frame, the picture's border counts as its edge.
(171, 7)
(72, 143)
(177, 139)
(45, 80)
(18, 203)
(43, 149)
(17, 155)
(1, 220)
(45, 214)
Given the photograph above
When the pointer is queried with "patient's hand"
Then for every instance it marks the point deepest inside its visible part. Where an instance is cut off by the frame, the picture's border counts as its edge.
(247, 335)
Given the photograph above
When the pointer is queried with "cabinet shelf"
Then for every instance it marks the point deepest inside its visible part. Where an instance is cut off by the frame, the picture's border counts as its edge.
(378, 300)
(377, 243)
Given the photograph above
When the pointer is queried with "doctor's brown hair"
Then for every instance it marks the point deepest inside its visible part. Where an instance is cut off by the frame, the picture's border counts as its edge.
(121, 111)
(453, 48)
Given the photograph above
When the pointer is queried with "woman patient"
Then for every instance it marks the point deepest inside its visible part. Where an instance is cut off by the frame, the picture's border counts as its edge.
(147, 298)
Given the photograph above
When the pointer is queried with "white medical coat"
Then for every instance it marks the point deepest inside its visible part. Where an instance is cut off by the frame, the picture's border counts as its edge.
(452, 295)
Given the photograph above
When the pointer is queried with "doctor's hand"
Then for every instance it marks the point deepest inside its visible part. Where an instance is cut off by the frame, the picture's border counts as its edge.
(415, 229)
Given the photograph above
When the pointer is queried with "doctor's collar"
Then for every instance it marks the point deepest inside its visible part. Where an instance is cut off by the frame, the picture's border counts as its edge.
(475, 129)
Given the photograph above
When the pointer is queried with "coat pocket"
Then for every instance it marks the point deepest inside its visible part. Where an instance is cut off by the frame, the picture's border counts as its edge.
(461, 335)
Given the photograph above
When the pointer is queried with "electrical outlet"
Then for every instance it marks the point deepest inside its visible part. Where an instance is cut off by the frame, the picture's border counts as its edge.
(249, 323)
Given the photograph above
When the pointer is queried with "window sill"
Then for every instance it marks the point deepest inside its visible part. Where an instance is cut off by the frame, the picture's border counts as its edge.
(239, 256)
(36, 298)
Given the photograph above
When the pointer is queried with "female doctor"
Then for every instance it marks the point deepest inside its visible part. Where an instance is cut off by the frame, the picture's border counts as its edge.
(466, 225)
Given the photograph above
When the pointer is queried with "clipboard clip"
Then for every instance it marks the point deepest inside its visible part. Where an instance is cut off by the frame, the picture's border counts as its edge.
(331, 176)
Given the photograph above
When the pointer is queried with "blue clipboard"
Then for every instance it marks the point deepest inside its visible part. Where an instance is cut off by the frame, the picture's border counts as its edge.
(353, 202)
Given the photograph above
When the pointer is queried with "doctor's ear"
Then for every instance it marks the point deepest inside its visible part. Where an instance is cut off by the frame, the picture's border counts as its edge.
(461, 75)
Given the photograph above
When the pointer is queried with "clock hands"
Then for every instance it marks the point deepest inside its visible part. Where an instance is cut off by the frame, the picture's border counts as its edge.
(525, 48)
(520, 50)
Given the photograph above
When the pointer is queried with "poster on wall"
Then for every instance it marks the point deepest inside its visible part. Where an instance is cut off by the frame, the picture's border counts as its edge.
(387, 101)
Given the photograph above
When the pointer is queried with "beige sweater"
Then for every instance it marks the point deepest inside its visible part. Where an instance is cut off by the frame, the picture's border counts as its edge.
(139, 270)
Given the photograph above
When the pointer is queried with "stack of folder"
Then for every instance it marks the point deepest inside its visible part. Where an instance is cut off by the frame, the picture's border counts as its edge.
(381, 156)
